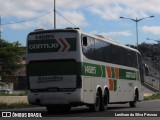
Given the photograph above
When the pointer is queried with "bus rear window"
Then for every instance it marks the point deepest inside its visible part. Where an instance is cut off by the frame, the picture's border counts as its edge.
(54, 67)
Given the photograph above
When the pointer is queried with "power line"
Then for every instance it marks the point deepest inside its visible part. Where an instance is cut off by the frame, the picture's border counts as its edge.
(22, 21)
(66, 19)
(18, 22)
(54, 14)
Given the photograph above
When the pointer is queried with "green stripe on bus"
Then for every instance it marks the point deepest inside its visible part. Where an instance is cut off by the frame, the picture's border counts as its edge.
(75, 68)
(115, 85)
(127, 74)
(113, 72)
(72, 43)
(93, 70)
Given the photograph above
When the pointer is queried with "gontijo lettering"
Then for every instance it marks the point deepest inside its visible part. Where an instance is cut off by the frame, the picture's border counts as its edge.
(43, 46)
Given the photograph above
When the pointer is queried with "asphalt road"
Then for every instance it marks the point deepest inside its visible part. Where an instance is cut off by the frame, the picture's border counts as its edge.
(115, 111)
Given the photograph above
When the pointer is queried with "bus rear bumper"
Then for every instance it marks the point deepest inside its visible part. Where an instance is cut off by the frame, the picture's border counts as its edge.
(54, 98)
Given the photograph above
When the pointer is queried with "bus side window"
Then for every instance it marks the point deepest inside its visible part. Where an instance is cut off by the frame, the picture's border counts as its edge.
(84, 41)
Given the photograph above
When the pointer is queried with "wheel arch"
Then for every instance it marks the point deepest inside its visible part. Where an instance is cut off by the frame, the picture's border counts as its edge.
(136, 92)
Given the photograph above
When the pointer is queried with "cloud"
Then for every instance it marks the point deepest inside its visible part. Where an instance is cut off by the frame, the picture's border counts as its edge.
(21, 11)
(112, 34)
(112, 9)
(152, 29)
(120, 33)
(74, 10)
(76, 19)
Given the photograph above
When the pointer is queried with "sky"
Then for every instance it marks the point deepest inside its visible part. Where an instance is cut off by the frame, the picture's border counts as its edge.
(100, 17)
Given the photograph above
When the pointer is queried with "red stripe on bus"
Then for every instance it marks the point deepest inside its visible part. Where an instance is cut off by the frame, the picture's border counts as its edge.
(109, 72)
(117, 73)
(111, 84)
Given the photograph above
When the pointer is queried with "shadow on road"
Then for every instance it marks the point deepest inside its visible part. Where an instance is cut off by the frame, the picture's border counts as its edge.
(85, 112)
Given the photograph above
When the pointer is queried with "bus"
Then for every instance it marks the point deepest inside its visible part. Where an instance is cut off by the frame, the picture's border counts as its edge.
(68, 67)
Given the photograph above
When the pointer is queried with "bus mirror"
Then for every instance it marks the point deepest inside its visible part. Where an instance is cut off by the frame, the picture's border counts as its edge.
(84, 41)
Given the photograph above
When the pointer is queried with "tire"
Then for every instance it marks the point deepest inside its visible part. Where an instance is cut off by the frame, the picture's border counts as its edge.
(104, 102)
(134, 102)
(96, 106)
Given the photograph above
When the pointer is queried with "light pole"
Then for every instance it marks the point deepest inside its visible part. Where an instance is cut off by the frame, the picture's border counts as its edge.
(54, 14)
(136, 21)
(0, 27)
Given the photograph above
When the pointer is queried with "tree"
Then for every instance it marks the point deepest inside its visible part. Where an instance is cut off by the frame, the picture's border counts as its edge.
(10, 59)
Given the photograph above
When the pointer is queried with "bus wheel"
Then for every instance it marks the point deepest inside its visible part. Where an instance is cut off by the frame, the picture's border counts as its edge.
(96, 106)
(104, 101)
(134, 102)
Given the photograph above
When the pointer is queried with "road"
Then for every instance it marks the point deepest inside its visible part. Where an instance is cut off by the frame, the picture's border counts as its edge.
(83, 113)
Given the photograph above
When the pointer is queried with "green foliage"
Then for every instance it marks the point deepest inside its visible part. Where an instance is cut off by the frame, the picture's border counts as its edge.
(15, 105)
(7, 94)
(153, 97)
(10, 58)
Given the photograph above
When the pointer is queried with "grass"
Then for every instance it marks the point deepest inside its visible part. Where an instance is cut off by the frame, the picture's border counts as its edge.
(14, 105)
(152, 97)
(7, 94)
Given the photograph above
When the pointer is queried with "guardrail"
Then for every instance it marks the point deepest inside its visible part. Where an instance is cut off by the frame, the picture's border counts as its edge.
(153, 82)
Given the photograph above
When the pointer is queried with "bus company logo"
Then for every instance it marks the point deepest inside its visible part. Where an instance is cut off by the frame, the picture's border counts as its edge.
(56, 45)
(130, 75)
(90, 69)
(43, 46)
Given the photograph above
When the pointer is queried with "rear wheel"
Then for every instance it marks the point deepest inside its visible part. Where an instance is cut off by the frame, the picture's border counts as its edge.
(96, 106)
(104, 102)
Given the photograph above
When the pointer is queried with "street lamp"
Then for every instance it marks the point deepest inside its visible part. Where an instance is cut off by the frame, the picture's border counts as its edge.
(136, 20)
(158, 41)
(0, 27)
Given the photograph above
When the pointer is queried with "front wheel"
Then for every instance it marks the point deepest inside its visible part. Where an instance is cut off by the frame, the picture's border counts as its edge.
(134, 102)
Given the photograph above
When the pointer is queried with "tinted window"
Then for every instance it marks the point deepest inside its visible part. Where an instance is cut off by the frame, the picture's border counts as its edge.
(106, 52)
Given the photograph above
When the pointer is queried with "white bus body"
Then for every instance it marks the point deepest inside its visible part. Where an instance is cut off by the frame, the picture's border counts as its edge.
(69, 68)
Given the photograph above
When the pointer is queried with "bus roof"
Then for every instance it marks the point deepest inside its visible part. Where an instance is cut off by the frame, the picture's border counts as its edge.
(99, 37)
(109, 40)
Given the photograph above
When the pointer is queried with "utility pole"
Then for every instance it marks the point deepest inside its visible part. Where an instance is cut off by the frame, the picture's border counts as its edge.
(54, 14)
(0, 27)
